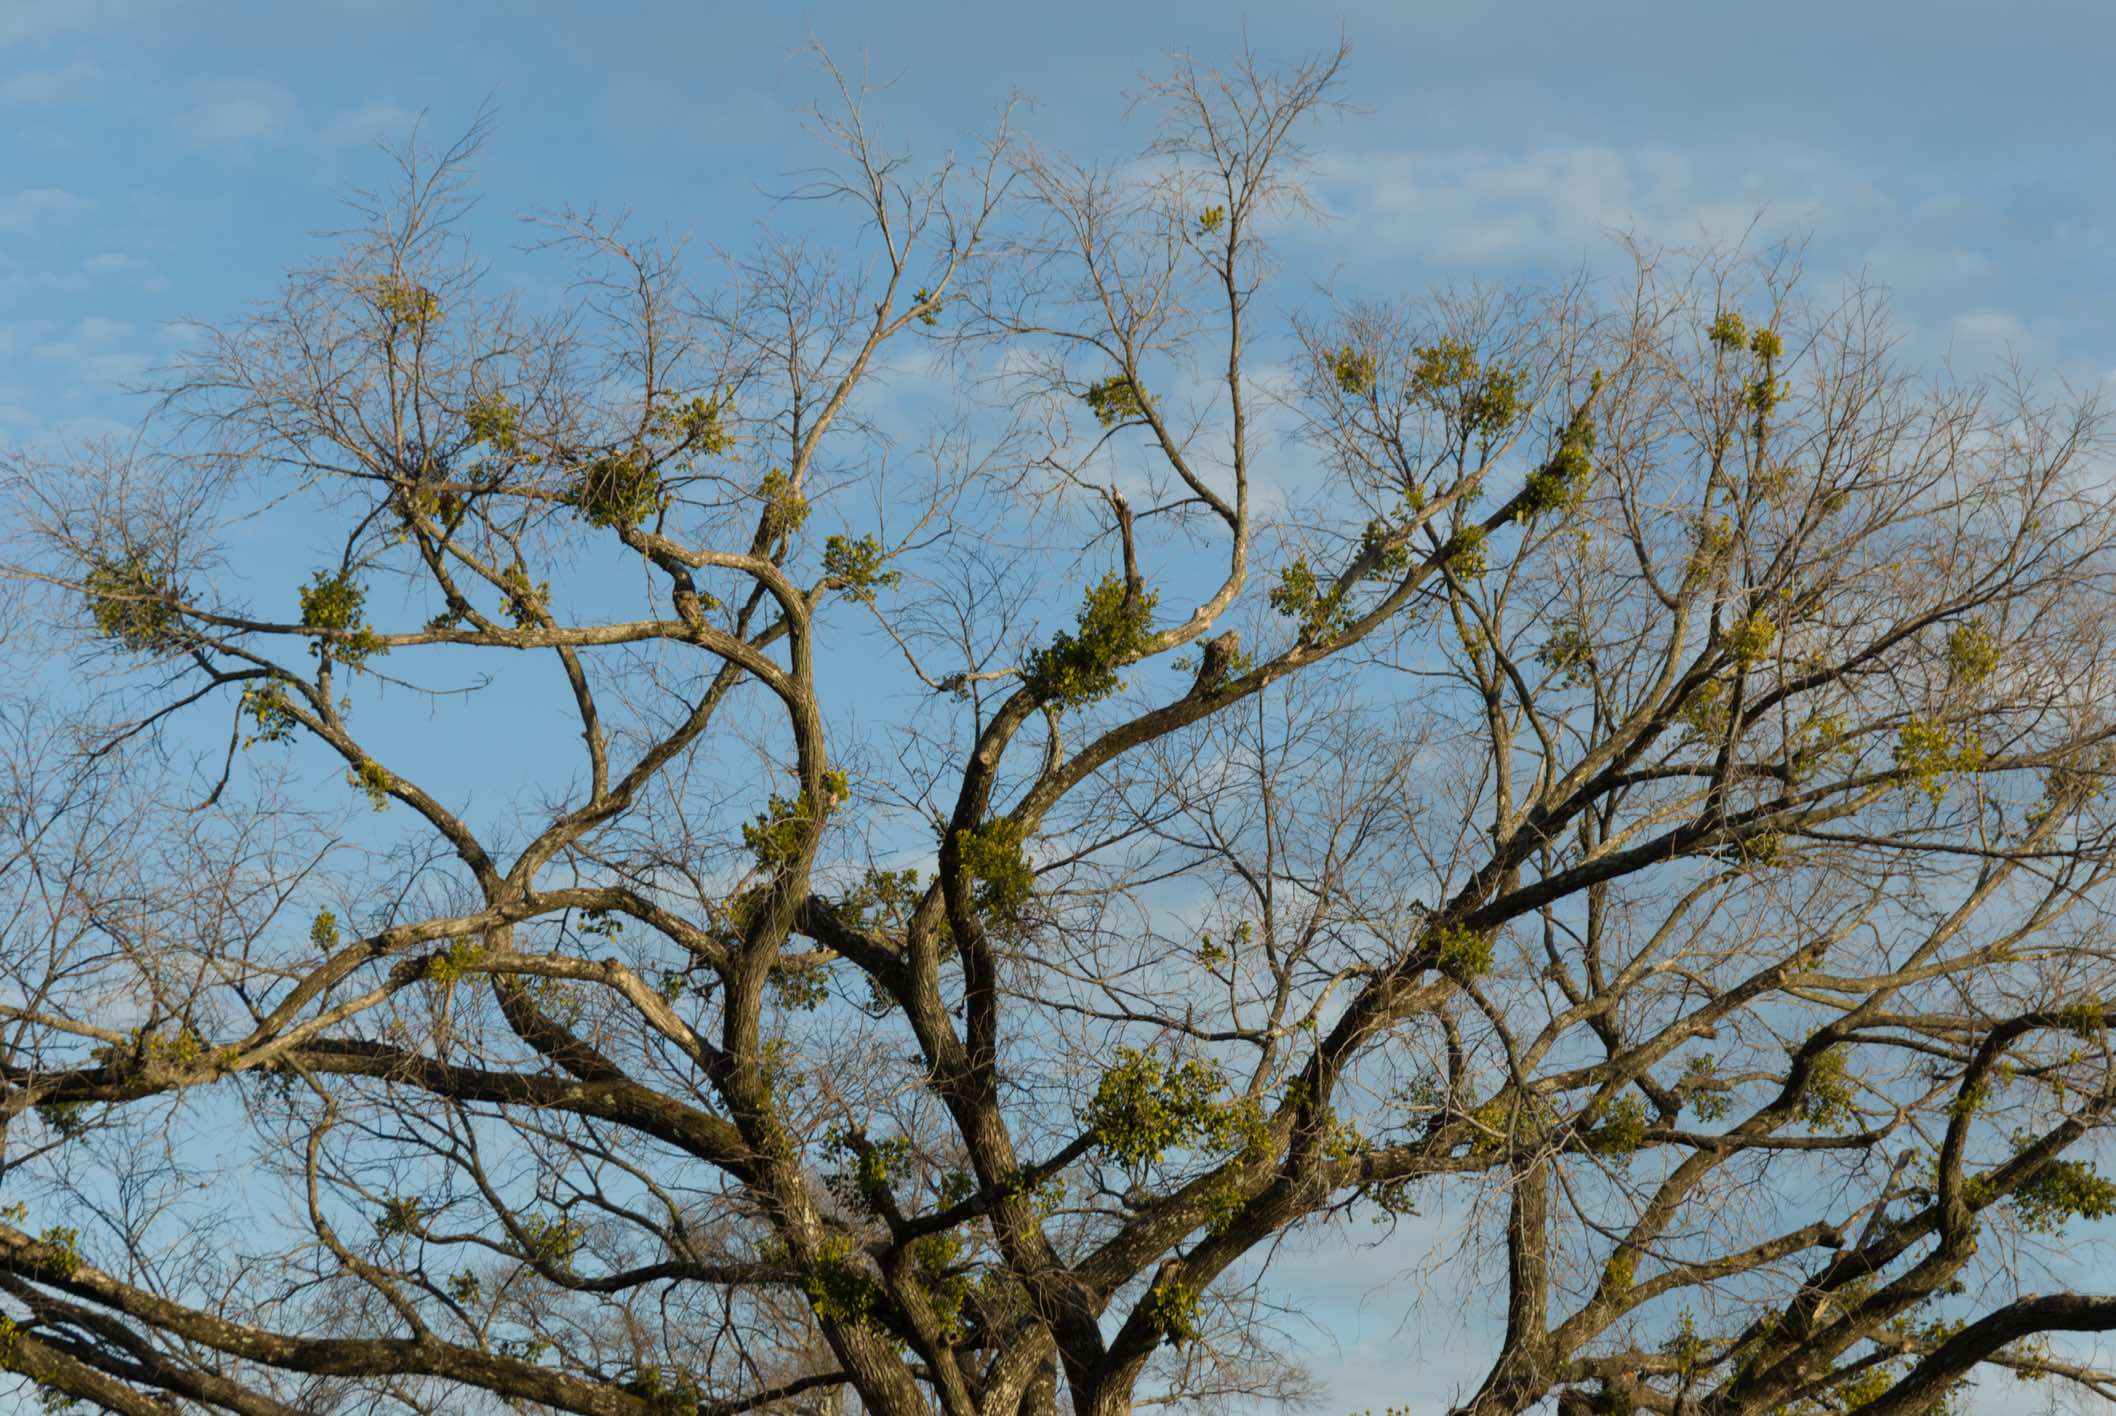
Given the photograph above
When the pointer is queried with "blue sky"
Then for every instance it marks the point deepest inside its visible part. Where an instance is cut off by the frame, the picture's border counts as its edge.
(167, 161)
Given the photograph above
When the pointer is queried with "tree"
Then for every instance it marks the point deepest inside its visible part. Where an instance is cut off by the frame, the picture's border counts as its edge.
(1632, 764)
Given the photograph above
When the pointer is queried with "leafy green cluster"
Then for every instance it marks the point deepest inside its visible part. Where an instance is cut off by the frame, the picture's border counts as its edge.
(1728, 331)
(1467, 556)
(1971, 1099)
(993, 855)
(1212, 952)
(2063, 1190)
(400, 1216)
(1620, 1272)
(1749, 639)
(1449, 363)
(1763, 394)
(883, 898)
(1300, 595)
(1826, 1097)
(936, 1267)
(838, 1287)
(784, 506)
(1929, 753)
(1211, 219)
(271, 713)
(403, 301)
(1621, 1129)
(1715, 540)
(130, 601)
(1822, 739)
(1384, 550)
(552, 1242)
(1080, 667)
(2085, 1021)
(1354, 371)
(179, 1049)
(1483, 399)
(64, 1250)
(620, 488)
(864, 1167)
(68, 1120)
(1146, 1106)
(1764, 848)
(1568, 653)
(465, 1287)
(464, 957)
(1730, 334)
(1560, 482)
(666, 1393)
(323, 931)
(1171, 1309)
(802, 987)
(525, 1349)
(490, 419)
(857, 566)
(424, 493)
(1462, 951)
(373, 779)
(1972, 652)
(1114, 400)
(695, 424)
(526, 599)
(782, 831)
(1703, 713)
(1776, 483)
(332, 603)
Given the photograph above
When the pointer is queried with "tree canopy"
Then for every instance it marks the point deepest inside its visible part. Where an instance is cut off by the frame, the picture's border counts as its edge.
(914, 805)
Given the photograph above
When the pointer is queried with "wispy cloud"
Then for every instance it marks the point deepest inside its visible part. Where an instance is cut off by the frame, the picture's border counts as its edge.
(107, 268)
(32, 206)
(1472, 208)
(90, 357)
(1992, 338)
(97, 329)
(72, 82)
(376, 121)
(236, 114)
(25, 22)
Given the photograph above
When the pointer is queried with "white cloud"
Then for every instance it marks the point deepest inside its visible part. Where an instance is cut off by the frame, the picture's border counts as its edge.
(96, 329)
(1986, 339)
(106, 269)
(34, 21)
(32, 205)
(95, 352)
(1552, 205)
(237, 113)
(376, 121)
(89, 428)
(1408, 216)
(38, 88)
